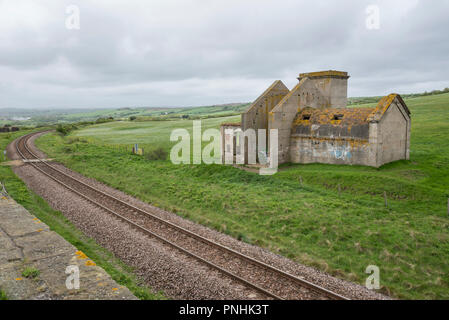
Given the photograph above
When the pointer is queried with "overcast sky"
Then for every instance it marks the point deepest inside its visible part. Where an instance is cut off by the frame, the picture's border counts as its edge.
(202, 52)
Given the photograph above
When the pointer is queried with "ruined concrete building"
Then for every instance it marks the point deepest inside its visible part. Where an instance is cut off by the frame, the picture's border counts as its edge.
(315, 125)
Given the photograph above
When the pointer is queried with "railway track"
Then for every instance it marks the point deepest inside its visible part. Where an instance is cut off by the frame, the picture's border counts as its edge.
(267, 280)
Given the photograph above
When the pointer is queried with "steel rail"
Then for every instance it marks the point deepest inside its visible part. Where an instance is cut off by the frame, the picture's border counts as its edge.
(145, 230)
(301, 282)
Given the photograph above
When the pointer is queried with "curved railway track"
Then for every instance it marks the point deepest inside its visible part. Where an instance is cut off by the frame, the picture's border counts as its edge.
(268, 280)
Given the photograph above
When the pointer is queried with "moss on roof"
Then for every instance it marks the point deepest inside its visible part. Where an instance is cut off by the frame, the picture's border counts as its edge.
(347, 116)
(384, 104)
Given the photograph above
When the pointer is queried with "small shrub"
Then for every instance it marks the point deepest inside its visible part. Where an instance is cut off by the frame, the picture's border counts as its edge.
(104, 120)
(30, 272)
(132, 118)
(62, 130)
(3, 296)
(65, 129)
(85, 123)
(157, 154)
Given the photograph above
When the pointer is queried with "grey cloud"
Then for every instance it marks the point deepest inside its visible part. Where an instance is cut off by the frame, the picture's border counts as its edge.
(201, 52)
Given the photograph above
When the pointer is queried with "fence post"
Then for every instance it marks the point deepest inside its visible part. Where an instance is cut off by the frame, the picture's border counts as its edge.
(385, 198)
(300, 180)
(3, 191)
(339, 190)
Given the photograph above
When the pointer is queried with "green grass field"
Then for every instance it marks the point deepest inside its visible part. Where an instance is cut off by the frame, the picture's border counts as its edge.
(313, 224)
(148, 134)
(50, 117)
(57, 222)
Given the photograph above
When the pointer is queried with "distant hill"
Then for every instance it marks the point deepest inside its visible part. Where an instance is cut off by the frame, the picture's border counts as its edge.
(30, 117)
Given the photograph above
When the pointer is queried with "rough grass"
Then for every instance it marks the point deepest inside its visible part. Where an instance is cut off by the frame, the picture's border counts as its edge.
(57, 222)
(3, 295)
(31, 272)
(310, 223)
(149, 135)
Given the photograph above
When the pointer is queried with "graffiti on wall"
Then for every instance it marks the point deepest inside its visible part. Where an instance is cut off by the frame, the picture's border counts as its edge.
(341, 152)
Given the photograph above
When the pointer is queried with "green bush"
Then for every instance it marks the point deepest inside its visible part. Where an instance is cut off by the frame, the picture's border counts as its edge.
(157, 154)
(65, 129)
(85, 123)
(104, 120)
(61, 129)
(132, 118)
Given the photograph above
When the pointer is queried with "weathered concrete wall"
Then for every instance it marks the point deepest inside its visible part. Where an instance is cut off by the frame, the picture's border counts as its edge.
(333, 86)
(256, 116)
(393, 132)
(318, 138)
(373, 150)
(304, 94)
(229, 141)
(339, 93)
(390, 125)
(333, 130)
(329, 150)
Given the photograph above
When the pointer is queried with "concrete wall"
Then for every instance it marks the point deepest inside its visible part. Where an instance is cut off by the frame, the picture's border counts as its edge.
(333, 90)
(394, 135)
(333, 86)
(353, 131)
(256, 116)
(329, 150)
(333, 143)
(304, 94)
(227, 141)
(373, 145)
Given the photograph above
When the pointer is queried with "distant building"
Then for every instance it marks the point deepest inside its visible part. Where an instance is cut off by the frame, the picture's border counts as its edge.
(315, 125)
